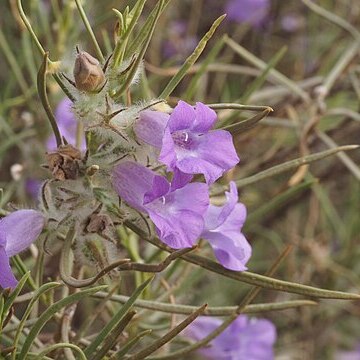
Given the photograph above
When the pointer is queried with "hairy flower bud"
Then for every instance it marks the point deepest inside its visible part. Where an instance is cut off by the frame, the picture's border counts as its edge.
(88, 73)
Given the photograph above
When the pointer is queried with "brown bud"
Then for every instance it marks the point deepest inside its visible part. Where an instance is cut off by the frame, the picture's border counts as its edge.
(64, 162)
(88, 73)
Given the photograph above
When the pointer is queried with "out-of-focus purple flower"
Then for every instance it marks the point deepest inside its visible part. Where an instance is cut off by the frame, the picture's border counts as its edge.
(349, 355)
(178, 45)
(67, 125)
(223, 231)
(32, 187)
(188, 145)
(253, 12)
(292, 22)
(17, 231)
(244, 339)
(176, 211)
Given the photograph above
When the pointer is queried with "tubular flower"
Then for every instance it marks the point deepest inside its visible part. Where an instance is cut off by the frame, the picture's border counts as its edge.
(187, 143)
(176, 208)
(17, 231)
(223, 231)
(244, 339)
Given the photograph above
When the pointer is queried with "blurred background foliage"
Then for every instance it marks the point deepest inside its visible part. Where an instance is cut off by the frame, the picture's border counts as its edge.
(315, 95)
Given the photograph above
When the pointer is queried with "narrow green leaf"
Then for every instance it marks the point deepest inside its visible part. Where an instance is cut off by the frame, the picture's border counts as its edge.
(190, 91)
(142, 354)
(248, 123)
(252, 278)
(50, 312)
(136, 44)
(13, 295)
(111, 339)
(120, 46)
(54, 347)
(211, 310)
(2, 314)
(21, 268)
(134, 67)
(280, 200)
(259, 81)
(293, 164)
(269, 282)
(116, 319)
(130, 344)
(240, 107)
(335, 19)
(281, 79)
(190, 61)
(42, 290)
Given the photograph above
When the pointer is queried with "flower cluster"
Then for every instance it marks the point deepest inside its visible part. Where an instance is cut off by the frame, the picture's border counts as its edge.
(244, 339)
(180, 208)
(181, 147)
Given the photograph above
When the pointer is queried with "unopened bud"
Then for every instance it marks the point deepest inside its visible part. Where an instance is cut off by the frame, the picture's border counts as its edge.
(162, 107)
(92, 170)
(88, 73)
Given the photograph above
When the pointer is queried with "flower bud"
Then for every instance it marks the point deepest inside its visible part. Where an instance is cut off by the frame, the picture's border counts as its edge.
(88, 73)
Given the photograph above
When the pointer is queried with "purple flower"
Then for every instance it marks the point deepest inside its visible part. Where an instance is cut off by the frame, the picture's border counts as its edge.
(176, 209)
(349, 355)
(292, 22)
(223, 231)
(33, 187)
(253, 12)
(151, 126)
(178, 45)
(244, 339)
(188, 144)
(67, 125)
(17, 231)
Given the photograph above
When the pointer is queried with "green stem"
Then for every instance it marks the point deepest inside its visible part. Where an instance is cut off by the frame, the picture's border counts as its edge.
(61, 346)
(248, 277)
(29, 27)
(41, 84)
(210, 311)
(90, 31)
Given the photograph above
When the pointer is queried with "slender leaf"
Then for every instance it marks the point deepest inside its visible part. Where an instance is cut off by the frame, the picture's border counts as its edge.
(42, 290)
(248, 123)
(116, 319)
(211, 310)
(50, 312)
(191, 59)
(168, 336)
(130, 344)
(13, 295)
